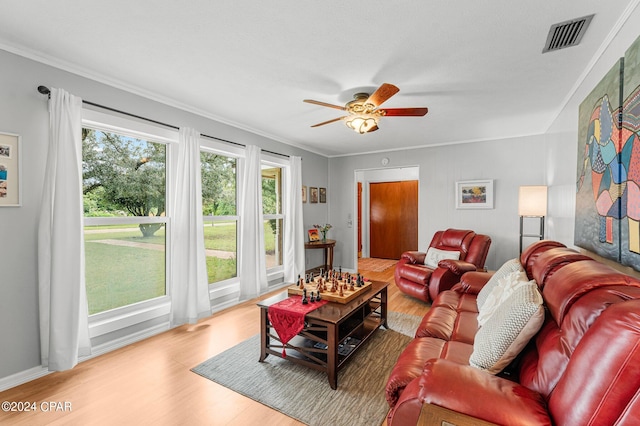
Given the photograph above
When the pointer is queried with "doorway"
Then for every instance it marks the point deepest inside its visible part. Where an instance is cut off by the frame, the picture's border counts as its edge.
(387, 212)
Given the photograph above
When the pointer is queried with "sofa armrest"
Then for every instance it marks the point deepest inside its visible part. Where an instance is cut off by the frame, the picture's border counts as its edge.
(435, 415)
(458, 267)
(472, 392)
(472, 282)
(413, 257)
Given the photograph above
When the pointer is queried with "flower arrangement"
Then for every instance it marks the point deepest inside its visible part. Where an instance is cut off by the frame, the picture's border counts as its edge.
(323, 228)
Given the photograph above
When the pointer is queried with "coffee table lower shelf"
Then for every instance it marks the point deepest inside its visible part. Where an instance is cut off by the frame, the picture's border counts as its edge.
(333, 333)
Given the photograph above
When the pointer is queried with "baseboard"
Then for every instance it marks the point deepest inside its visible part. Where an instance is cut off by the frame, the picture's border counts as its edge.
(22, 377)
(34, 373)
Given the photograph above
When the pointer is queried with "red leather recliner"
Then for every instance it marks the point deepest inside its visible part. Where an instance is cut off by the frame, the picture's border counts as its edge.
(416, 279)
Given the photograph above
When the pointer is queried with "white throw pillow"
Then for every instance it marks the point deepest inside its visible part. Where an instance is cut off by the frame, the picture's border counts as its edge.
(499, 293)
(508, 267)
(435, 255)
(508, 330)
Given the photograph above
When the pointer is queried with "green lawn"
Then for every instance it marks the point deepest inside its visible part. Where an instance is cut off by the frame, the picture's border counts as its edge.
(120, 275)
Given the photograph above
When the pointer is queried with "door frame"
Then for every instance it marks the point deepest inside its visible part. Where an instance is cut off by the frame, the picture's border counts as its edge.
(377, 175)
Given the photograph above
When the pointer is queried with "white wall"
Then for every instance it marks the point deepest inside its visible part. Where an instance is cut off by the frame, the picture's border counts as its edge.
(24, 111)
(511, 163)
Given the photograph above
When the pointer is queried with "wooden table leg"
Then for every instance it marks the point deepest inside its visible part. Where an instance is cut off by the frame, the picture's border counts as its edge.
(332, 355)
(383, 307)
(329, 257)
(325, 258)
(264, 333)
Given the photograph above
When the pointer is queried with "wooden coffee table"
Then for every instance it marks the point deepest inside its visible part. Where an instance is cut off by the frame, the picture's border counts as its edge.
(333, 333)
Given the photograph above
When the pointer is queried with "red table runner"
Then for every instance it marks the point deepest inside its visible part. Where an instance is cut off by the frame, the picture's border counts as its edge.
(287, 317)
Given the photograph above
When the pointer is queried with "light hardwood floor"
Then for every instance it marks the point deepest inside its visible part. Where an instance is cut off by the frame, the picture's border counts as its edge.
(150, 382)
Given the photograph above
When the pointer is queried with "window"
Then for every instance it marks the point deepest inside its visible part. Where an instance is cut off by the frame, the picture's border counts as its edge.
(219, 195)
(273, 215)
(124, 187)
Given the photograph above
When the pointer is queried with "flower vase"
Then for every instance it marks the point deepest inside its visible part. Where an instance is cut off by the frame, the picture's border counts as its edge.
(324, 236)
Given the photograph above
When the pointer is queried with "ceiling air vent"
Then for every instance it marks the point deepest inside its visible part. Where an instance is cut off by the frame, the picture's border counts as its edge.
(566, 34)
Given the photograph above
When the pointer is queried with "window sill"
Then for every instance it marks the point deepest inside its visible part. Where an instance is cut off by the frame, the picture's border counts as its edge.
(127, 316)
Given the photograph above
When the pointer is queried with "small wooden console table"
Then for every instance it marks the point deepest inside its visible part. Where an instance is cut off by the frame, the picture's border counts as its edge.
(328, 246)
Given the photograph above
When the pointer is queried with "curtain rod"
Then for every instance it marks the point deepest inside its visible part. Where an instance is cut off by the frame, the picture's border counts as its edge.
(45, 91)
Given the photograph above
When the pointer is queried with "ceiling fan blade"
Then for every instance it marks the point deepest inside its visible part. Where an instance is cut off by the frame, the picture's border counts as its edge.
(383, 93)
(328, 122)
(408, 112)
(311, 101)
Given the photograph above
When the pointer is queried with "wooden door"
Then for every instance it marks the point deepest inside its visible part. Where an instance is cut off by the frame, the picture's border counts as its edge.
(359, 220)
(393, 217)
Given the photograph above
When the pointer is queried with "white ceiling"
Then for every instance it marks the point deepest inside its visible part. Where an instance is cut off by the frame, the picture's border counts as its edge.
(477, 65)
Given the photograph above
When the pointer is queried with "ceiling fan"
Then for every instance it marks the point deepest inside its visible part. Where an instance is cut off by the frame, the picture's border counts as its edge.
(364, 110)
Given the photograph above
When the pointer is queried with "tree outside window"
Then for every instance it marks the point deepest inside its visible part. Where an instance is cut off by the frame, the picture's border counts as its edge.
(124, 187)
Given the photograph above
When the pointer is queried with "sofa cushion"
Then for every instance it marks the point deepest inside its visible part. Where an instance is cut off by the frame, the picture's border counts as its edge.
(448, 325)
(435, 255)
(509, 329)
(506, 286)
(574, 280)
(508, 267)
(415, 273)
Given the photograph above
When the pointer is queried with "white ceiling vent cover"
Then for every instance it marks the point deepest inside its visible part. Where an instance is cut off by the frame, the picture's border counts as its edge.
(566, 34)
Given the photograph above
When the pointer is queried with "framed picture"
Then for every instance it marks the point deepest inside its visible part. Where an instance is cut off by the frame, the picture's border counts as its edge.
(10, 170)
(304, 194)
(323, 195)
(474, 194)
(314, 235)
(313, 195)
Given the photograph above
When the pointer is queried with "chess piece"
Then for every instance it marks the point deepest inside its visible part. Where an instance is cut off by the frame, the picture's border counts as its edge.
(312, 299)
(341, 292)
(304, 297)
(318, 298)
(352, 287)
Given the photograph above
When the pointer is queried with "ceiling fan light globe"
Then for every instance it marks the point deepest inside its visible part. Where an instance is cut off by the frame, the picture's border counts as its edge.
(362, 125)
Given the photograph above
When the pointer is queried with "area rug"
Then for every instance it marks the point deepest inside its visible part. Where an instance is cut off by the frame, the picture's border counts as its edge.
(374, 264)
(304, 394)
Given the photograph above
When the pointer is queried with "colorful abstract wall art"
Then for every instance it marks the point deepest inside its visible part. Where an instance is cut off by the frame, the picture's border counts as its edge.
(608, 181)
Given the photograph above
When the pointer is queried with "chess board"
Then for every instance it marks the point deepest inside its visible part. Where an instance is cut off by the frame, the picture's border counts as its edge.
(347, 296)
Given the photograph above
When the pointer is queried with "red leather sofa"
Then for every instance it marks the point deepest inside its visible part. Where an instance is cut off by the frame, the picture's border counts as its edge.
(581, 368)
(416, 279)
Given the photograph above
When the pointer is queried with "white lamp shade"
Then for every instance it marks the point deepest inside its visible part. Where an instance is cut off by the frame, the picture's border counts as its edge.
(532, 201)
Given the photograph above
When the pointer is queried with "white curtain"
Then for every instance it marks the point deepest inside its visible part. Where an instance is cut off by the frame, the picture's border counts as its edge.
(253, 265)
(189, 280)
(293, 225)
(64, 329)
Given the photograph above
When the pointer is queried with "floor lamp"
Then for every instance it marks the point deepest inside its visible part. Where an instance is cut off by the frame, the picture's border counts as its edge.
(532, 203)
